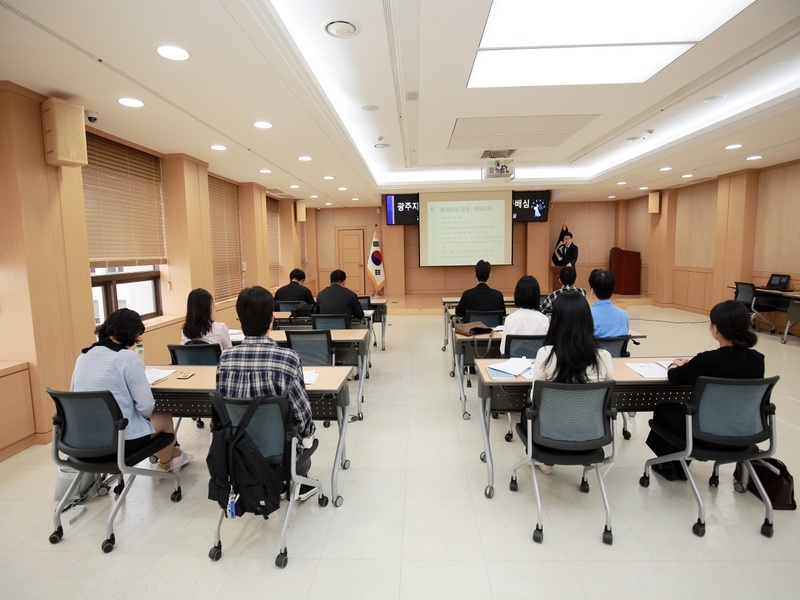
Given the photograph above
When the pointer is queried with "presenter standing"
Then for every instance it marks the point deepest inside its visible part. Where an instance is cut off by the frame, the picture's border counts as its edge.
(568, 252)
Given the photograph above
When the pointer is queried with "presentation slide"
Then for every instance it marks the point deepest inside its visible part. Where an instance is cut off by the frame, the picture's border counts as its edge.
(462, 232)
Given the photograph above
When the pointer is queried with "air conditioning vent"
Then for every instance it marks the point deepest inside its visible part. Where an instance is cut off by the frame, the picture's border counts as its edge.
(498, 153)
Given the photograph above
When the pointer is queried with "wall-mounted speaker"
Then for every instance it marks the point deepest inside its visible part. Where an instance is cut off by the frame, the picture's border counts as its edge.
(64, 133)
(300, 208)
(654, 203)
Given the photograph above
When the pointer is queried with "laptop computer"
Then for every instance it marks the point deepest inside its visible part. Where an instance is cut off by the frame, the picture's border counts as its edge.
(776, 282)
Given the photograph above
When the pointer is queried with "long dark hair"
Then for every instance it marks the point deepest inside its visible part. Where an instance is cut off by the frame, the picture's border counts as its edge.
(733, 323)
(571, 334)
(198, 314)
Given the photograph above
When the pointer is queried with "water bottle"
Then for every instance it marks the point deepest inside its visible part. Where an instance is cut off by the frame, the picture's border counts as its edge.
(140, 351)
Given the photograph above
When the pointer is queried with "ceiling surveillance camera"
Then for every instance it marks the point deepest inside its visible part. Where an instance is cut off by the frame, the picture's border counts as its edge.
(92, 116)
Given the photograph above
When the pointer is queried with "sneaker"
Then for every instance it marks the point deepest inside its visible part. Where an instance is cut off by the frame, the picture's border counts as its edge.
(306, 491)
(176, 463)
(545, 469)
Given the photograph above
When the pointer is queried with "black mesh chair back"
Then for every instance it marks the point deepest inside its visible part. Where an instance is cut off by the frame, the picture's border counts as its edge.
(330, 321)
(286, 305)
(314, 346)
(616, 346)
(518, 346)
(194, 354)
(268, 426)
(87, 427)
(745, 292)
(490, 318)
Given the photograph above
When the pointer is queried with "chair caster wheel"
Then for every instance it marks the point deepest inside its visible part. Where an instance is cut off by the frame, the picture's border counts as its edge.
(346, 464)
(103, 490)
(766, 529)
(469, 383)
(367, 375)
(153, 459)
(200, 424)
(538, 535)
(626, 434)
(176, 495)
(444, 348)
(465, 416)
(644, 481)
(738, 487)
(483, 456)
(509, 436)
(337, 502)
(356, 376)
(108, 544)
(56, 536)
(216, 552)
(282, 560)
(512, 485)
(452, 373)
(489, 492)
(495, 415)
(713, 481)
(326, 423)
(699, 528)
(608, 537)
(584, 487)
(323, 501)
(360, 416)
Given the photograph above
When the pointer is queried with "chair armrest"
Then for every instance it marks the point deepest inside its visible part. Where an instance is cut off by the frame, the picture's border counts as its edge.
(531, 412)
(57, 420)
(689, 408)
(121, 424)
(612, 412)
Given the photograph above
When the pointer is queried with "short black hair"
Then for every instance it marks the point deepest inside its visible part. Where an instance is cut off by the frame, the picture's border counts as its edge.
(482, 271)
(298, 274)
(565, 234)
(124, 325)
(602, 281)
(527, 292)
(338, 276)
(255, 306)
(568, 276)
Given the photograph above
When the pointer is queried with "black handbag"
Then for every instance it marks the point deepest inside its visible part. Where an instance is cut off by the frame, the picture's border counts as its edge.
(779, 486)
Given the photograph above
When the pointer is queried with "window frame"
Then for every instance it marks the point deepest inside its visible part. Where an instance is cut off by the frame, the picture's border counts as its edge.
(108, 283)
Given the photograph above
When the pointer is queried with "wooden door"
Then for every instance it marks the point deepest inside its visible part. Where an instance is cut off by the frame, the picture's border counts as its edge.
(350, 256)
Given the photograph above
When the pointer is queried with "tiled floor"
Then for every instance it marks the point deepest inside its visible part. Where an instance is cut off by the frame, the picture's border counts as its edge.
(415, 523)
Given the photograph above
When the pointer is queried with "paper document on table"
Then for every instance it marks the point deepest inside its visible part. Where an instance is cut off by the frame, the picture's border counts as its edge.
(498, 328)
(237, 335)
(156, 375)
(653, 370)
(309, 377)
(512, 366)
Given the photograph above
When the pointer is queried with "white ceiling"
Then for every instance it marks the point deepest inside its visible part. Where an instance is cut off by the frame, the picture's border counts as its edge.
(272, 60)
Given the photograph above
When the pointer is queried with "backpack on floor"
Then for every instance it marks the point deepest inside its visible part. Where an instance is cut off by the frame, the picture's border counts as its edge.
(776, 479)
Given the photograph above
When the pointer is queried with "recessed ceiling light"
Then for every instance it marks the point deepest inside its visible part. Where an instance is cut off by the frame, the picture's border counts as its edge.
(262, 125)
(380, 146)
(716, 98)
(294, 186)
(328, 177)
(622, 182)
(313, 196)
(265, 171)
(611, 197)
(304, 158)
(173, 52)
(340, 29)
(687, 175)
(636, 138)
(644, 187)
(328, 203)
(131, 102)
(219, 147)
(355, 199)
(755, 157)
(369, 108)
(665, 169)
(733, 146)
(344, 189)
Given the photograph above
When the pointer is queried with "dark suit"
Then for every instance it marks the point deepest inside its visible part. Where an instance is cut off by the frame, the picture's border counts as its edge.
(570, 256)
(294, 292)
(481, 297)
(338, 300)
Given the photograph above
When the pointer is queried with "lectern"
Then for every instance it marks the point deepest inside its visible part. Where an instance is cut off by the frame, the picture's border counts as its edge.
(626, 265)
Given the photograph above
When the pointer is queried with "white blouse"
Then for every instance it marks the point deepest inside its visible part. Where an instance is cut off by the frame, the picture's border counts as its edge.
(219, 334)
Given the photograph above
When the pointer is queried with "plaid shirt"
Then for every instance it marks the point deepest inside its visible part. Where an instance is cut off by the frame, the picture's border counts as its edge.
(259, 367)
(547, 303)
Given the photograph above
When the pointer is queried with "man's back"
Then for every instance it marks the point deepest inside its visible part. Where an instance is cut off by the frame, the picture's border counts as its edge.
(294, 292)
(481, 297)
(609, 320)
(338, 300)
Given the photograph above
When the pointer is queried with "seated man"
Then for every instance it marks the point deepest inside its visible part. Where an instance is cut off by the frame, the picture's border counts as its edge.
(567, 277)
(336, 299)
(259, 367)
(295, 291)
(609, 320)
(481, 297)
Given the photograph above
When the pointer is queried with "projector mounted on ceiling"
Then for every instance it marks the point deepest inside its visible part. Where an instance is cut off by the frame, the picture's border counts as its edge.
(498, 168)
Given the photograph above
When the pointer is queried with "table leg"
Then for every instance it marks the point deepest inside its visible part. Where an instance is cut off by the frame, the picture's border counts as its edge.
(446, 328)
(383, 331)
(486, 455)
(459, 360)
(340, 460)
(362, 373)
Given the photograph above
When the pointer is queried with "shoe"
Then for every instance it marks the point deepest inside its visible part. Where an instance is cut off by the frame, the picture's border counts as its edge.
(669, 472)
(306, 491)
(284, 495)
(545, 469)
(176, 463)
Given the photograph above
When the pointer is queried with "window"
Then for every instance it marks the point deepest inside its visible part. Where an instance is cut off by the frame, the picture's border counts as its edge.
(226, 236)
(125, 227)
(274, 241)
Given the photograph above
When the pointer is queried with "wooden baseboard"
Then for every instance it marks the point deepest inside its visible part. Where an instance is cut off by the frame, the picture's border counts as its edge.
(19, 446)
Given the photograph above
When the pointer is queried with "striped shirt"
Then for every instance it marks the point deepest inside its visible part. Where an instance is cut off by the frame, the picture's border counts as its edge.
(259, 367)
(547, 303)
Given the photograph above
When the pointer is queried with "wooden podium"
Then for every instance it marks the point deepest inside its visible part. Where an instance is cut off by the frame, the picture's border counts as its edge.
(626, 265)
(555, 280)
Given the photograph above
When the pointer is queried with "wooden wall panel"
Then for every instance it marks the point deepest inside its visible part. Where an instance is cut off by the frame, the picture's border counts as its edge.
(680, 288)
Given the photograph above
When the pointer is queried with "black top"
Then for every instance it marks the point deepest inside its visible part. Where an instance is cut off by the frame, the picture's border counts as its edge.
(294, 292)
(338, 300)
(570, 256)
(481, 297)
(721, 362)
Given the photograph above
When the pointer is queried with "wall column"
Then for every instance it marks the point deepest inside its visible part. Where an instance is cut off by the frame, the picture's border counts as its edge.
(662, 250)
(255, 250)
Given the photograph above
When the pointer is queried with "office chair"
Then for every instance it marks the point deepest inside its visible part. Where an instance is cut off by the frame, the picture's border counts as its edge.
(517, 346)
(269, 425)
(286, 305)
(792, 318)
(313, 345)
(725, 420)
(618, 347)
(366, 304)
(331, 321)
(746, 294)
(89, 430)
(569, 424)
(194, 352)
(490, 318)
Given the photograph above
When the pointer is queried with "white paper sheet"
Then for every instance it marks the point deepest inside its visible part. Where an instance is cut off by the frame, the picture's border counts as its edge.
(513, 366)
(156, 375)
(653, 370)
(309, 376)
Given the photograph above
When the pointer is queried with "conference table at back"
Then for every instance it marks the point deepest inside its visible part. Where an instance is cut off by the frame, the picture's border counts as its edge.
(632, 393)
(781, 302)
(329, 398)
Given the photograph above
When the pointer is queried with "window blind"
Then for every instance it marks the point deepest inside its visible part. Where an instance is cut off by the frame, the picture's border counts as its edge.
(124, 205)
(274, 241)
(226, 238)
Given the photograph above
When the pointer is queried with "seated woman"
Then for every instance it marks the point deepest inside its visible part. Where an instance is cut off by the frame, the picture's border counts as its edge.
(570, 353)
(110, 364)
(199, 324)
(527, 319)
(730, 327)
